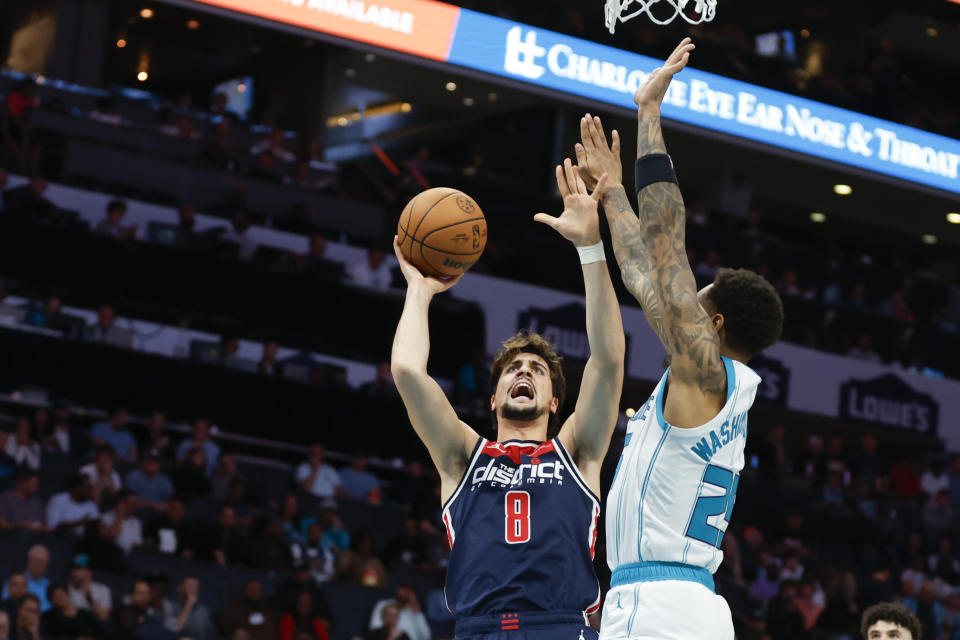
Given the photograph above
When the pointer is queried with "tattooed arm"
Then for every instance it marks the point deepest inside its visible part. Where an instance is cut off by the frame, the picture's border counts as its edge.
(697, 378)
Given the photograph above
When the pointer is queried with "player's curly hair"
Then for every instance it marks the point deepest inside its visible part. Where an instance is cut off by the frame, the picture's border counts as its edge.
(531, 342)
(751, 308)
(892, 612)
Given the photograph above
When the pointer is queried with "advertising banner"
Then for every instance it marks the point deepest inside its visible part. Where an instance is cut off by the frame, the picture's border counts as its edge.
(570, 65)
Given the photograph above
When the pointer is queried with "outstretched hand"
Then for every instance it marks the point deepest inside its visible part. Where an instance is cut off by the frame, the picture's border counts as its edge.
(415, 278)
(595, 157)
(650, 94)
(579, 222)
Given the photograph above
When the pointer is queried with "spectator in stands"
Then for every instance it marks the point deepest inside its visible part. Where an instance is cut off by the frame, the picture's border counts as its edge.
(811, 463)
(335, 536)
(38, 561)
(273, 145)
(120, 526)
(265, 168)
(237, 500)
(864, 350)
(375, 272)
(64, 620)
(316, 477)
(218, 109)
(239, 234)
(115, 433)
(4, 616)
(103, 112)
(896, 307)
(112, 224)
(314, 554)
(291, 518)
(155, 439)
(29, 199)
(223, 476)
(359, 564)
(708, 269)
(302, 618)
(151, 487)
(188, 617)
(85, 593)
(104, 479)
(389, 629)
(21, 101)
(224, 542)
(767, 583)
(135, 619)
(71, 510)
(268, 361)
(170, 532)
(21, 447)
(268, 549)
(414, 490)
(927, 609)
(41, 423)
(934, 479)
(28, 618)
(382, 385)
(190, 477)
(411, 619)
(64, 439)
(251, 613)
(201, 438)
(20, 508)
(15, 589)
(357, 482)
(104, 330)
(869, 466)
(186, 220)
(288, 594)
(408, 550)
(315, 254)
(218, 152)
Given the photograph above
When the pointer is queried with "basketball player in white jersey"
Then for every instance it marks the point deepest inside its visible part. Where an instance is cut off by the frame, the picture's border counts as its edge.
(676, 481)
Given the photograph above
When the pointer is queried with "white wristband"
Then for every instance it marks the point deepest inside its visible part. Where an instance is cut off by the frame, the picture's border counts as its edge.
(593, 253)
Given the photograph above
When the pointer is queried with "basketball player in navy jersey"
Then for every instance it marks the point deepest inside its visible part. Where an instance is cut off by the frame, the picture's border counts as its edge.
(673, 492)
(521, 512)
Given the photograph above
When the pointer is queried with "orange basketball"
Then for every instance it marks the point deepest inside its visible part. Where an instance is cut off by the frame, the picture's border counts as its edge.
(442, 231)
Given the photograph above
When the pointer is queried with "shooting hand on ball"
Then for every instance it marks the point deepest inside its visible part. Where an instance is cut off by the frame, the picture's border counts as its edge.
(414, 278)
(649, 95)
(579, 222)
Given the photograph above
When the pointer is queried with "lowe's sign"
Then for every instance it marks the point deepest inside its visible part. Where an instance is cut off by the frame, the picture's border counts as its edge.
(602, 73)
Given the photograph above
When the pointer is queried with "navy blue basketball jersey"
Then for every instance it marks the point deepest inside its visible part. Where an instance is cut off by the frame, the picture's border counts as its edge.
(522, 526)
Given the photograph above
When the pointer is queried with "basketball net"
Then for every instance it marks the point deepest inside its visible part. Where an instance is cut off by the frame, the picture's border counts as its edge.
(703, 11)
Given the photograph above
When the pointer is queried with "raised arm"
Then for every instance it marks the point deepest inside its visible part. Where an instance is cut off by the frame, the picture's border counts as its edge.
(698, 379)
(448, 440)
(652, 255)
(586, 433)
(594, 158)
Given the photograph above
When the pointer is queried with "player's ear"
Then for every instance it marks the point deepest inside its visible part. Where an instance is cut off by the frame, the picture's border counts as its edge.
(718, 321)
(493, 403)
(554, 404)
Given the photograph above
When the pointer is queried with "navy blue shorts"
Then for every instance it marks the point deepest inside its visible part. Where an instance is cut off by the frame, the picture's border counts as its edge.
(540, 625)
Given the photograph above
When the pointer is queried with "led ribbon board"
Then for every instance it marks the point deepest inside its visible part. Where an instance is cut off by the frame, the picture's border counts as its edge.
(544, 58)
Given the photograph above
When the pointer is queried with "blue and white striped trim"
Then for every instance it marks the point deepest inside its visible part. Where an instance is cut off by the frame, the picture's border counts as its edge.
(643, 490)
(638, 572)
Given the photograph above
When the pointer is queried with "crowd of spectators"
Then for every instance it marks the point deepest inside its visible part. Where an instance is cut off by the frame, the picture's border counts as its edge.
(188, 500)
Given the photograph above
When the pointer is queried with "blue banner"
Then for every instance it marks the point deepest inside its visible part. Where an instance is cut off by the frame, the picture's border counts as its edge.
(571, 65)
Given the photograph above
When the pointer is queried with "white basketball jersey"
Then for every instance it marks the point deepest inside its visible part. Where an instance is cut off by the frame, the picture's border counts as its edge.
(674, 489)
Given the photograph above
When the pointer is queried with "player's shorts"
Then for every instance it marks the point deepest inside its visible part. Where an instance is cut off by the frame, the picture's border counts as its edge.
(539, 625)
(664, 601)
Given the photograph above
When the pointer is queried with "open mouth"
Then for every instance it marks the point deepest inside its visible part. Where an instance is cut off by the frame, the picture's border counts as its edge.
(522, 389)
